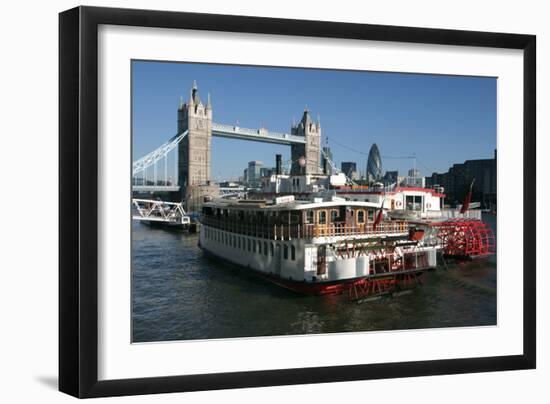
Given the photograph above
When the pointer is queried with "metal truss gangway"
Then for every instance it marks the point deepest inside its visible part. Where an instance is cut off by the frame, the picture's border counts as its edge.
(161, 212)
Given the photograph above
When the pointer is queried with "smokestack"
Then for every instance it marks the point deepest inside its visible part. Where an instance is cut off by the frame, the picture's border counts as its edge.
(278, 164)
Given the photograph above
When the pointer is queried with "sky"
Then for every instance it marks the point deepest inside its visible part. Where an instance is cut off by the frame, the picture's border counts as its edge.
(442, 120)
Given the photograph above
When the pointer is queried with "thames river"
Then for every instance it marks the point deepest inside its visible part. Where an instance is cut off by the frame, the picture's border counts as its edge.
(178, 293)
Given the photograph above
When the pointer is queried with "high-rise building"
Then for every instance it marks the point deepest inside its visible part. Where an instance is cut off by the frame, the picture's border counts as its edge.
(390, 177)
(374, 164)
(254, 173)
(267, 171)
(458, 179)
(348, 168)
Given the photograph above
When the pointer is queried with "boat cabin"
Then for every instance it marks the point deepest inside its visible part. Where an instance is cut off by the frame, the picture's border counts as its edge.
(294, 218)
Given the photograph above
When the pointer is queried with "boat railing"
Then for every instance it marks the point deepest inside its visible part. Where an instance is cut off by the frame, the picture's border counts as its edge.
(315, 230)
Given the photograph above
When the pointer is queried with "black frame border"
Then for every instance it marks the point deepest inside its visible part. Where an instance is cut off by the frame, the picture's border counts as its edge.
(78, 180)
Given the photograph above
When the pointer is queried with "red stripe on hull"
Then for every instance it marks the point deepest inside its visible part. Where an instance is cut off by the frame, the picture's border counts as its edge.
(310, 288)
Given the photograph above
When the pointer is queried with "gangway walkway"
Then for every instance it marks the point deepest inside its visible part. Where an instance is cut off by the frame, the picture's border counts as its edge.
(153, 211)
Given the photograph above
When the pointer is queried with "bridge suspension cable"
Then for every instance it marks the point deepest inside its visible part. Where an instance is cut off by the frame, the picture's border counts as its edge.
(151, 158)
(336, 168)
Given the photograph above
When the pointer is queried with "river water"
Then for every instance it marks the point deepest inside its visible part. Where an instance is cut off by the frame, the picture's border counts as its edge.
(178, 293)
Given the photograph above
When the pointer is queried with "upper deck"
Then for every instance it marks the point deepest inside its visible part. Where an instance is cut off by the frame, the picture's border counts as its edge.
(300, 219)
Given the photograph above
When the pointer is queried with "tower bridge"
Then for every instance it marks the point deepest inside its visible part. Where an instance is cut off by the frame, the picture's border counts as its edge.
(258, 135)
(191, 175)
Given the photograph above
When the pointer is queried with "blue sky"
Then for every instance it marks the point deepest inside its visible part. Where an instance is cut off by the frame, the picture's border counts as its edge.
(441, 119)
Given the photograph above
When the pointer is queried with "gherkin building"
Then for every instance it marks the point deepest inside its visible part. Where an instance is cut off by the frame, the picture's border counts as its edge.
(374, 164)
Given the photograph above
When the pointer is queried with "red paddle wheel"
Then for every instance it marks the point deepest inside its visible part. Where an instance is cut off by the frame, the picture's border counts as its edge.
(465, 238)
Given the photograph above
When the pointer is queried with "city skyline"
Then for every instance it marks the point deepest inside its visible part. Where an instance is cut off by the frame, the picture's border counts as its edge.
(442, 120)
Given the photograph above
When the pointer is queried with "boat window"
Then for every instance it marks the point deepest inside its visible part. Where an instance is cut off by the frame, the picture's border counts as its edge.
(265, 247)
(271, 249)
(239, 242)
(253, 245)
(371, 215)
(333, 215)
(285, 251)
(259, 247)
(361, 216)
(413, 202)
(322, 217)
(292, 252)
(309, 216)
(248, 244)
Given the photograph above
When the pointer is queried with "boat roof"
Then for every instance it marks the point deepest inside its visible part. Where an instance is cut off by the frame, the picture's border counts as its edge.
(253, 204)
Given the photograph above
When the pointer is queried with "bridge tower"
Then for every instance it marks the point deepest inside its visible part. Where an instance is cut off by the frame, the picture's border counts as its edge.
(311, 150)
(194, 150)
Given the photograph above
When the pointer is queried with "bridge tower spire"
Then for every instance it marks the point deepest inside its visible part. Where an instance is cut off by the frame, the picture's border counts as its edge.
(310, 150)
(194, 150)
